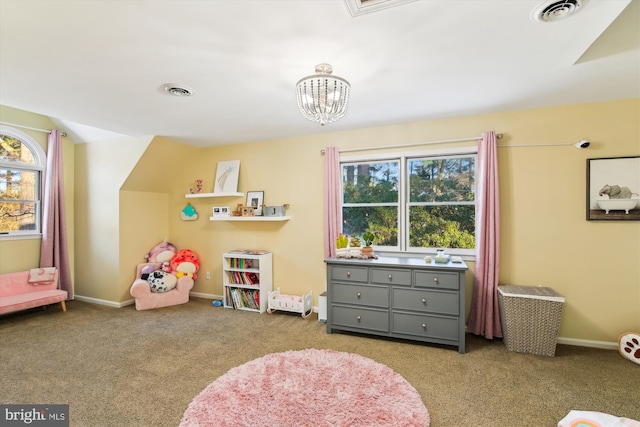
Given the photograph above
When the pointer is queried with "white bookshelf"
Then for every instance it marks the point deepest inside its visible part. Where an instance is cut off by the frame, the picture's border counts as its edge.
(250, 275)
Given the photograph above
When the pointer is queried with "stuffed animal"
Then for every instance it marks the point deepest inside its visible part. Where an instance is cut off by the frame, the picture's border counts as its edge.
(162, 252)
(185, 263)
(146, 271)
(161, 281)
(629, 346)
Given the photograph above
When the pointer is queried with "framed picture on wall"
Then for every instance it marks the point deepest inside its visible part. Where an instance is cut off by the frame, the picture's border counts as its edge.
(613, 188)
(255, 199)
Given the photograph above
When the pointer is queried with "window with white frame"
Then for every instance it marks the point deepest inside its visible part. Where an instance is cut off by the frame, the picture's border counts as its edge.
(22, 163)
(412, 203)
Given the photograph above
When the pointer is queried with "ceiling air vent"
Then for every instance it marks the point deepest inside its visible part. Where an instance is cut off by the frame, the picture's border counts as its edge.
(555, 10)
(177, 90)
(362, 7)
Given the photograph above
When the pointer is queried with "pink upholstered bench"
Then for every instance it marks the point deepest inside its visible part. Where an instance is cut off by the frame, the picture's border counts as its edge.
(28, 289)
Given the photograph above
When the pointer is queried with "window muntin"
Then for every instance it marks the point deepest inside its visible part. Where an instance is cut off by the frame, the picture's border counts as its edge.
(21, 166)
(412, 203)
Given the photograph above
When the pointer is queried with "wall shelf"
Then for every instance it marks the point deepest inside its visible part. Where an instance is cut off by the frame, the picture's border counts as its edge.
(249, 218)
(203, 195)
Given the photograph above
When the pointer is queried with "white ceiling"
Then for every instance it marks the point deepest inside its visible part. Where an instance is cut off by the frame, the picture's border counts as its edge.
(98, 65)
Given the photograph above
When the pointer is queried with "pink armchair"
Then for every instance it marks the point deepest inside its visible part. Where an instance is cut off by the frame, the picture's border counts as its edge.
(145, 299)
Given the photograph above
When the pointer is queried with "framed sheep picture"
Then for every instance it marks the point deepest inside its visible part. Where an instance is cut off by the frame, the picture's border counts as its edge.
(613, 188)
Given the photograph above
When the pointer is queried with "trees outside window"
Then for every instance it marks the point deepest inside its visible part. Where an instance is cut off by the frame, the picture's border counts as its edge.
(21, 165)
(412, 204)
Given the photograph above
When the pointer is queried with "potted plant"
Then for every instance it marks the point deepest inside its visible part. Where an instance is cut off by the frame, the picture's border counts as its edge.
(341, 245)
(368, 237)
(354, 247)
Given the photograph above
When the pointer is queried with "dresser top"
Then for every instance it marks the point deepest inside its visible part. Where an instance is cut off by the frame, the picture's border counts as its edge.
(394, 261)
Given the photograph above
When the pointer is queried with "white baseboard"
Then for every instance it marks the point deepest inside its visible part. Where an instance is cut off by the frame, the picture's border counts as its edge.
(104, 301)
(588, 343)
(205, 296)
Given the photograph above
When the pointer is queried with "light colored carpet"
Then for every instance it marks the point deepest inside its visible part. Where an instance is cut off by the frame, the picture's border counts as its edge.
(128, 368)
(308, 388)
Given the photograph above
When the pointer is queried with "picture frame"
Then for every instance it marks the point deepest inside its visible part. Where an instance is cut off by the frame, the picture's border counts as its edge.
(255, 199)
(227, 174)
(613, 184)
(219, 211)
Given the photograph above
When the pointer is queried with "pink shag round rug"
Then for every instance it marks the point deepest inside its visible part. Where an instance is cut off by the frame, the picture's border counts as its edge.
(308, 388)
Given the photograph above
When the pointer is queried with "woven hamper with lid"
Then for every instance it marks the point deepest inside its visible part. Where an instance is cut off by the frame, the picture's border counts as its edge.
(530, 318)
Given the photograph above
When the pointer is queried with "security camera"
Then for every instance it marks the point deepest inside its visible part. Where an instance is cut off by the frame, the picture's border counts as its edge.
(583, 143)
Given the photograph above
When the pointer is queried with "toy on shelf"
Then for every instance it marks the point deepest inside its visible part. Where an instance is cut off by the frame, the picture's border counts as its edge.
(198, 189)
(293, 303)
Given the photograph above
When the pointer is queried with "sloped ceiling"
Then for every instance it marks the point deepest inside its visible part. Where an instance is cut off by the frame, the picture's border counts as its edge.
(99, 65)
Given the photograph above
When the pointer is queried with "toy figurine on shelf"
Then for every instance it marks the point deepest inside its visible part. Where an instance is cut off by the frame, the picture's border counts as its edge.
(198, 189)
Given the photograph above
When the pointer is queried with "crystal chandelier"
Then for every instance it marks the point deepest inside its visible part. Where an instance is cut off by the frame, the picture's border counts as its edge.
(322, 97)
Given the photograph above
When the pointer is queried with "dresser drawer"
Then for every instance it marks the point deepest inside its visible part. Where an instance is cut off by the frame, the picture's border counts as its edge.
(363, 318)
(377, 296)
(389, 276)
(425, 326)
(436, 279)
(443, 302)
(350, 274)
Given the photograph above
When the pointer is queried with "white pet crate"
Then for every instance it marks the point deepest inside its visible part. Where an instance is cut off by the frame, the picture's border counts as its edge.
(293, 303)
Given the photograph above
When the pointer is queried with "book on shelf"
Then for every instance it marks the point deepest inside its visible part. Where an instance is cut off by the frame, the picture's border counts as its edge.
(228, 299)
(240, 263)
(243, 298)
(243, 278)
(253, 278)
(249, 251)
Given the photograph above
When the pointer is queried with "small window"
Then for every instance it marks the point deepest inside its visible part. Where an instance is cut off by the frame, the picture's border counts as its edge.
(22, 163)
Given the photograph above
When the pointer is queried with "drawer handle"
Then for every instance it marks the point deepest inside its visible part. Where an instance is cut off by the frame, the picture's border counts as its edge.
(358, 294)
(390, 277)
(435, 279)
(348, 274)
(424, 326)
(424, 301)
(358, 318)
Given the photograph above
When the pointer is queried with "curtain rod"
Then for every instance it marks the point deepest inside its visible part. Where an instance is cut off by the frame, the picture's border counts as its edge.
(444, 141)
(30, 128)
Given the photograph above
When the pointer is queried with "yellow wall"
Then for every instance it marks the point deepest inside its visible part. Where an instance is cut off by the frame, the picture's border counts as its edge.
(101, 169)
(545, 237)
(20, 255)
(144, 205)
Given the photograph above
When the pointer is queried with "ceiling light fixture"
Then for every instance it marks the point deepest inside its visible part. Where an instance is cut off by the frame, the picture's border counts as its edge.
(322, 97)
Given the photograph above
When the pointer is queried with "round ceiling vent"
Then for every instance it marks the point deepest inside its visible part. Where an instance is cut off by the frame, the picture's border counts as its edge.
(555, 10)
(177, 90)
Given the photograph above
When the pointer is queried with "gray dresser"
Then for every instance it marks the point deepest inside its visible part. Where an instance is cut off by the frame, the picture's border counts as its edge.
(397, 297)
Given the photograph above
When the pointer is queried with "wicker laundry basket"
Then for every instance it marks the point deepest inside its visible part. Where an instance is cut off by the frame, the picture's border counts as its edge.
(530, 318)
